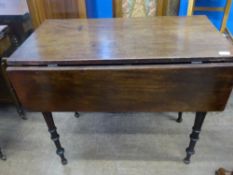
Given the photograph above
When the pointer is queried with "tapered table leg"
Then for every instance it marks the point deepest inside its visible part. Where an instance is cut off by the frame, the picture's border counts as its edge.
(179, 119)
(2, 156)
(54, 136)
(194, 136)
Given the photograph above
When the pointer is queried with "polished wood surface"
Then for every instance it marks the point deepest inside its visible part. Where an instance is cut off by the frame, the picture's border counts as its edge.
(124, 88)
(41, 10)
(118, 41)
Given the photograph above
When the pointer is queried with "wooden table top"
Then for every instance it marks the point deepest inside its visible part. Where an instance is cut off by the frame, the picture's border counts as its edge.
(121, 41)
(13, 8)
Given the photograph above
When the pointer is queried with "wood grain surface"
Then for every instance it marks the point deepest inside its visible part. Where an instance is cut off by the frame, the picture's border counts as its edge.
(181, 87)
(123, 41)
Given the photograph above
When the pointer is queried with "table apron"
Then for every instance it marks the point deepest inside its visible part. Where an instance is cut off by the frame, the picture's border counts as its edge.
(180, 87)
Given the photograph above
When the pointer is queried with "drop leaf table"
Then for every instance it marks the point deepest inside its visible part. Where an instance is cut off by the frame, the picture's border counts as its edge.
(158, 64)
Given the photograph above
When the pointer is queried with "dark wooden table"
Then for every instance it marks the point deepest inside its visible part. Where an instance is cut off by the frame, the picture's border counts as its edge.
(14, 13)
(124, 65)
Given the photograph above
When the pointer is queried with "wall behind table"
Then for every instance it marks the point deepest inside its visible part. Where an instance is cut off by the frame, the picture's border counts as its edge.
(215, 17)
(99, 8)
(230, 20)
(103, 9)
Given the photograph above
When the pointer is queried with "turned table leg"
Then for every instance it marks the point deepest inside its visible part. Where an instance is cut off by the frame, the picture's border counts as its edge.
(179, 119)
(194, 136)
(2, 156)
(54, 136)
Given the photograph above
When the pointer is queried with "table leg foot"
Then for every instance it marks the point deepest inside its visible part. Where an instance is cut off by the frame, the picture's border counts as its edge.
(55, 136)
(179, 119)
(76, 114)
(194, 136)
(186, 161)
(61, 152)
(22, 113)
(2, 156)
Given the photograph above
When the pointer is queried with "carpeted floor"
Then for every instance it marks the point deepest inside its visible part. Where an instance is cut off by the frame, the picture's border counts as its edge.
(115, 143)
